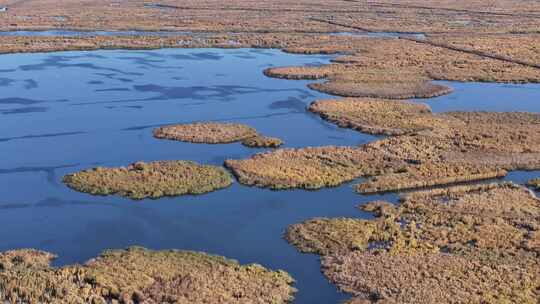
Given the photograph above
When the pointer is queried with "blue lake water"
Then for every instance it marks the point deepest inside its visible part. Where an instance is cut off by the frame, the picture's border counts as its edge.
(68, 111)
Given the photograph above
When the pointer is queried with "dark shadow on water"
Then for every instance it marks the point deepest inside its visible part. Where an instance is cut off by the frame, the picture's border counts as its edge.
(203, 56)
(4, 82)
(62, 62)
(30, 84)
(221, 92)
(25, 110)
(41, 136)
(49, 171)
(114, 90)
(25, 101)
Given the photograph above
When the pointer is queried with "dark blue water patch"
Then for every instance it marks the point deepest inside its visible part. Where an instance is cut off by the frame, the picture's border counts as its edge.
(30, 84)
(50, 172)
(134, 107)
(20, 101)
(2, 139)
(522, 177)
(24, 110)
(149, 63)
(291, 103)
(498, 97)
(27, 84)
(113, 76)
(113, 90)
(4, 82)
(62, 62)
(210, 93)
(198, 56)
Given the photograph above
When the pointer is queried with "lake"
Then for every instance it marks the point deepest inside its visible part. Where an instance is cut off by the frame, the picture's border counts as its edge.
(67, 111)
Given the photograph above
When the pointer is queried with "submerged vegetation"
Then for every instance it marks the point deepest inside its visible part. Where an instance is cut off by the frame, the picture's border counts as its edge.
(150, 180)
(139, 275)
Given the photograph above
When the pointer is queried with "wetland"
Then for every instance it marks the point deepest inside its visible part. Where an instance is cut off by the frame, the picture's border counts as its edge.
(397, 152)
(101, 110)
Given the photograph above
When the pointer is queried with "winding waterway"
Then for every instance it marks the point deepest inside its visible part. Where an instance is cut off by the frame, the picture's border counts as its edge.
(67, 111)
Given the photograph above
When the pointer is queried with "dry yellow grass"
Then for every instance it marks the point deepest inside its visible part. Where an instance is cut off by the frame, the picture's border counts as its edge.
(138, 275)
(472, 244)
(433, 149)
(206, 132)
(150, 180)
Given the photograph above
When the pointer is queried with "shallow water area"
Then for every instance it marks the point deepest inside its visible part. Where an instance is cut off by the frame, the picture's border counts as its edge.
(68, 111)
(478, 96)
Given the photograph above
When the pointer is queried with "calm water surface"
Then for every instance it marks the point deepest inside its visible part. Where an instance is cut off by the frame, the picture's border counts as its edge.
(64, 112)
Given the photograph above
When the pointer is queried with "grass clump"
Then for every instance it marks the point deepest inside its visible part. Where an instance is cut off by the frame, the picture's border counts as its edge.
(139, 275)
(150, 180)
(206, 132)
(431, 149)
(466, 244)
(534, 183)
(217, 133)
(260, 141)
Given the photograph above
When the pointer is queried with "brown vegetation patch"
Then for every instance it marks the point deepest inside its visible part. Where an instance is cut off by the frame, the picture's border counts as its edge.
(296, 73)
(217, 133)
(308, 168)
(429, 174)
(432, 149)
(376, 116)
(326, 236)
(402, 68)
(390, 90)
(496, 219)
(452, 245)
(138, 275)
(428, 278)
(534, 183)
(279, 15)
(465, 146)
(206, 132)
(520, 48)
(261, 141)
(150, 180)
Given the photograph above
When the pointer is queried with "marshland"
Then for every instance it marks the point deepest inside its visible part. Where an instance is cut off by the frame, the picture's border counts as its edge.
(267, 152)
